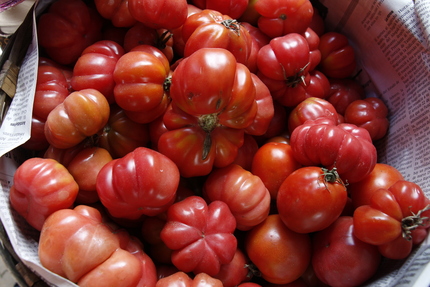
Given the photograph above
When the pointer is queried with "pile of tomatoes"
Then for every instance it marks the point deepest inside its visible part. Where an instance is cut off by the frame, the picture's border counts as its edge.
(220, 143)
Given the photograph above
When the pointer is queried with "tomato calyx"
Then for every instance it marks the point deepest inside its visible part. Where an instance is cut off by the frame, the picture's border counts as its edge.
(208, 123)
(332, 176)
(167, 83)
(232, 24)
(163, 39)
(253, 270)
(412, 222)
(299, 77)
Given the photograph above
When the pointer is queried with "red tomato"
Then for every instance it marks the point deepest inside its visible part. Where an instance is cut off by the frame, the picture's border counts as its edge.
(212, 29)
(310, 199)
(82, 114)
(235, 272)
(250, 15)
(116, 11)
(232, 8)
(343, 92)
(143, 182)
(41, 187)
(94, 68)
(280, 18)
(273, 162)
(337, 55)
(67, 28)
(200, 235)
(243, 192)
(167, 14)
(382, 176)
(140, 88)
(371, 114)
(341, 259)
(314, 42)
(122, 135)
(311, 109)
(201, 280)
(346, 147)
(178, 40)
(246, 152)
(84, 168)
(280, 254)
(86, 250)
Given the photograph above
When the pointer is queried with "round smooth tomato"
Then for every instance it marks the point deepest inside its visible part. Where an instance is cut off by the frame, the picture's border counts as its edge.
(273, 162)
(310, 199)
(339, 258)
(280, 254)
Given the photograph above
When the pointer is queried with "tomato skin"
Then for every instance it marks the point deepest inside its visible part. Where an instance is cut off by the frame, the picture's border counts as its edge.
(279, 18)
(166, 14)
(273, 162)
(200, 235)
(67, 28)
(41, 187)
(236, 271)
(280, 254)
(345, 146)
(233, 9)
(116, 11)
(369, 113)
(145, 180)
(382, 176)
(182, 279)
(343, 92)
(243, 192)
(341, 259)
(337, 56)
(246, 152)
(82, 114)
(308, 201)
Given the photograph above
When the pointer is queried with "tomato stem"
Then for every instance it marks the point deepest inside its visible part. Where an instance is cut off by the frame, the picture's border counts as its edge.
(233, 25)
(331, 176)
(208, 123)
(412, 222)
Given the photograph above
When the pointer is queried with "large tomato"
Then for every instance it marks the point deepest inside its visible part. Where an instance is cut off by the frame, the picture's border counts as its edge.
(346, 147)
(200, 235)
(243, 192)
(82, 114)
(340, 259)
(67, 28)
(310, 199)
(78, 245)
(281, 17)
(280, 254)
(143, 182)
(41, 187)
(94, 68)
(213, 102)
(116, 11)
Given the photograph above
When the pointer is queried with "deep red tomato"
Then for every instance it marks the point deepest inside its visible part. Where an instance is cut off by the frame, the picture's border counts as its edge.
(243, 192)
(343, 92)
(232, 8)
(41, 187)
(337, 55)
(157, 249)
(250, 15)
(382, 176)
(213, 102)
(51, 90)
(178, 40)
(280, 254)
(310, 199)
(246, 152)
(84, 168)
(212, 29)
(341, 259)
(140, 88)
(143, 182)
(346, 147)
(94, 68)
(200, 235)
(311, 109)
(281, 17)
(369, 113)
(201, 280)
(121, 135)
(82, 114)
(165, 14)
(116, 11)
(86, 250)
(273, 162)
(235, 272)
(67, 28)
(314, 42)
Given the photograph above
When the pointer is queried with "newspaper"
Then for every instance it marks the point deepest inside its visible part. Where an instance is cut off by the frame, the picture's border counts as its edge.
(392, 41)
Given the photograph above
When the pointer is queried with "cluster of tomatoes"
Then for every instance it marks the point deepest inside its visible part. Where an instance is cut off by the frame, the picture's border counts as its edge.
(219, 142)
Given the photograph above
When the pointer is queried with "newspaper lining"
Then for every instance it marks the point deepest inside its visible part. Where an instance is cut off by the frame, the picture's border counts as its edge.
(392, 41)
